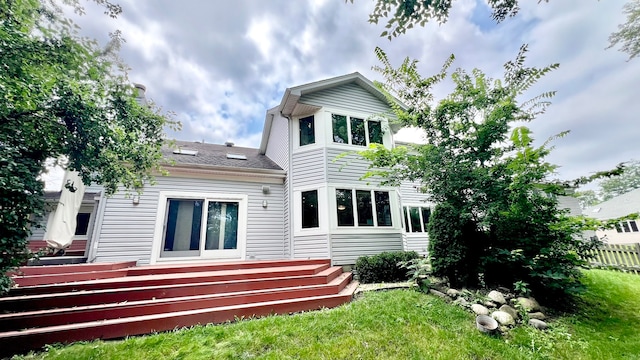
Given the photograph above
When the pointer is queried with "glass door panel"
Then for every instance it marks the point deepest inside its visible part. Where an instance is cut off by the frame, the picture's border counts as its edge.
(182, 228)
(222, 229)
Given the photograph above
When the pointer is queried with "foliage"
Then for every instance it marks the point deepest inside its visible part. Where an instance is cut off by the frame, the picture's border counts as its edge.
(497, 219)
(418, 271)
(63, 96)
(384, 267)
(628, 34)
(626, 178)
(586, 198)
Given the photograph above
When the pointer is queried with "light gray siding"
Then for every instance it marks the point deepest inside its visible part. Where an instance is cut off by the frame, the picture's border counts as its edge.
(278, 146)
(416, 243)
(349, 96)
(348, 169)
(37, 233)
(347, 248)
(127, 230)
(311, 247)
(410, 194)
(308, 167)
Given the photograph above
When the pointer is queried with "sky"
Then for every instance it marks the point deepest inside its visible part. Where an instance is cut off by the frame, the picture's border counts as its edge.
(219, 65)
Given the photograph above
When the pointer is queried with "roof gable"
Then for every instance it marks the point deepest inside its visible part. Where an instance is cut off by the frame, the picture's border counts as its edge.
(616, 207)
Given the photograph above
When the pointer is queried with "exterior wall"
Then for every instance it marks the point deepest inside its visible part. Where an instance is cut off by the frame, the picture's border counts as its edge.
(349, 96)
(410, 194)
(614, 237)
(311, 247)
(346, 248)
(348, 169)
(417, 243)
(126, 231)
(278, 151)
(308, 167)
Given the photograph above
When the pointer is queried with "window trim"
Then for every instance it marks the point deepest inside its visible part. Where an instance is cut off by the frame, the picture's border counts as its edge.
(348, 118)
(296, 211)
(395, 222)
(408, 227)
(163, 196)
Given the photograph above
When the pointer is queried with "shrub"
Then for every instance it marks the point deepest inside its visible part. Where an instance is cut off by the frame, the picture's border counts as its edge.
(384, 267)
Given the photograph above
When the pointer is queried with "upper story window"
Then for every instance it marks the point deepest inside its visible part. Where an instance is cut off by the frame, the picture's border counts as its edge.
(416, 218)
(307, 131)
(370, 208)
(355, 131)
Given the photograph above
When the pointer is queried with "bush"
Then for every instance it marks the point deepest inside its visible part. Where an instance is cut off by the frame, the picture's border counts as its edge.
(384, 267)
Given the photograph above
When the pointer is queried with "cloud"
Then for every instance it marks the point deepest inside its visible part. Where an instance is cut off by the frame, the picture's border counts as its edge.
(220, 65)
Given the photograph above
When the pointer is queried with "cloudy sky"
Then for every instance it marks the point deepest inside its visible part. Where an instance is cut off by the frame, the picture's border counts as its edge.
(218, 65)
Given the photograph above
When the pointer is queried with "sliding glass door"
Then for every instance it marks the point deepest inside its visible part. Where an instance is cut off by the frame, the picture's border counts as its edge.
(201, 228)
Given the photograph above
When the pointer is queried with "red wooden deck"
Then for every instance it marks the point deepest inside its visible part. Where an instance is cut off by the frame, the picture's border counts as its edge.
(82, 302)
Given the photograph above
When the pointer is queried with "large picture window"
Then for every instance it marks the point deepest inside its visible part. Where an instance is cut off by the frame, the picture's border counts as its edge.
(307, 131)
(371, 208)
(355, 131)
(195, 226)
(416, 218)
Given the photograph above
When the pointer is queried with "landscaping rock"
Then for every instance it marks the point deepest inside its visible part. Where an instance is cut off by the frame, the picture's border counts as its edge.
(509, 310)
(537, 315)
(439, 294)
(490, 304)
(453, 293)
(538, 324)
(503, 318)
(479, 309)
(497, 297)
(461, 302)
(529, 304)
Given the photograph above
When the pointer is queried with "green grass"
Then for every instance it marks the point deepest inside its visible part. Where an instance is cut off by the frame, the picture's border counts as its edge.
(399, 324)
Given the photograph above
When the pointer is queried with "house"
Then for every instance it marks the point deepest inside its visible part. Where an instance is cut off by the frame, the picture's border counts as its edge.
(297, 196)
(625, 232)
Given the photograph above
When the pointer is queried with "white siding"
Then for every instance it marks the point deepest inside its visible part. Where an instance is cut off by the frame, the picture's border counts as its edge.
(278, 146)
(349, 96)
(348, 169)
(311, 247)
(37, 233)
(347, 248)
(308, 167)
(410, 194)
(417, 243)
(127, 230)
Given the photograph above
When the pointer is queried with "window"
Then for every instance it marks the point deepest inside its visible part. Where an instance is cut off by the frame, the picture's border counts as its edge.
(307, 131)
(367, 203)
(193, 226)
(416, 218)
(355, 131)
(310, 209)
(82, 224)
(627, 226)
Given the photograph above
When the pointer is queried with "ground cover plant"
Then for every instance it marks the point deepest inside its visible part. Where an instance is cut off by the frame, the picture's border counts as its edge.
(398, 324)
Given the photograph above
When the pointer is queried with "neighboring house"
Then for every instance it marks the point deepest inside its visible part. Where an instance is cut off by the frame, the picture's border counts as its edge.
(626, 232)
(293, 197)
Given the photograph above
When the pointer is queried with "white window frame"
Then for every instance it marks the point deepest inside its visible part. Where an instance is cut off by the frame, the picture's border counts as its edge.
(319, 128)
(408, 217)
(386, 137)
(241, 199)
(393, 201)
(322, 211)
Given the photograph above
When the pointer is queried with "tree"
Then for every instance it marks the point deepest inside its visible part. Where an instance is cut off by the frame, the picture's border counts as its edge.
(64, 96)
(496, 220)
(628, 34)
(628, 180)
(403, 15)
(586, 198)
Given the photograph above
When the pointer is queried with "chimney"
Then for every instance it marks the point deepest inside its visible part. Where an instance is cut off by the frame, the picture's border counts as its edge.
(229, 144)
(140, 91)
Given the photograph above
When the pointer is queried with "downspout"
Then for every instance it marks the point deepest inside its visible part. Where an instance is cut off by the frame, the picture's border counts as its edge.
(97, 229)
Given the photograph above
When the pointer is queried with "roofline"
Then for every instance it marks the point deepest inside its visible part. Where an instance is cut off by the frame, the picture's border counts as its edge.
(227, 173)
(292, 95)
(266, 131)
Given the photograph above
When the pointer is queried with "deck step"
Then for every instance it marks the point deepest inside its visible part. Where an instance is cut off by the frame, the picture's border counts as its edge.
(18, 341)
(77, 314)
(90, 301)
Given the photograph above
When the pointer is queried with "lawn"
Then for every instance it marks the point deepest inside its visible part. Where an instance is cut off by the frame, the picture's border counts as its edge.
(398, 324)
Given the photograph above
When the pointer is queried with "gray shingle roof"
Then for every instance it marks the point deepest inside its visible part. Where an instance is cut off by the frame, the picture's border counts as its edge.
(622, 205)
(216, 155)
